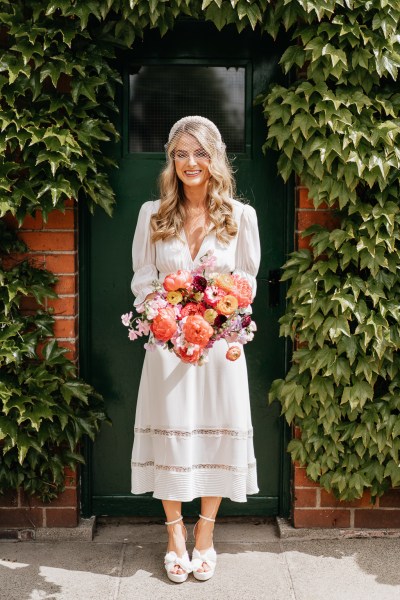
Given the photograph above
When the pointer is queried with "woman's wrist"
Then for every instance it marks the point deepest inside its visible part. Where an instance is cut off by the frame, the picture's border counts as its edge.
(150, 296)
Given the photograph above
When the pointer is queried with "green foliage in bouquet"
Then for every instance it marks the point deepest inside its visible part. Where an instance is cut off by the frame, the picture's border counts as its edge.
(44, 409)
(337, 127)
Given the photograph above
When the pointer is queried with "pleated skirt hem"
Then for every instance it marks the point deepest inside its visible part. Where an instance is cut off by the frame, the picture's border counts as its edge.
(185, 487)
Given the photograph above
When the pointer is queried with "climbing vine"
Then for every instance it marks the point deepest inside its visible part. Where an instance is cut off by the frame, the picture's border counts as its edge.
(45, 410)
(335, 126)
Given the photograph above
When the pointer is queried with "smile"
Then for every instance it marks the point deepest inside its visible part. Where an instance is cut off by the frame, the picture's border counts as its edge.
(192, 173)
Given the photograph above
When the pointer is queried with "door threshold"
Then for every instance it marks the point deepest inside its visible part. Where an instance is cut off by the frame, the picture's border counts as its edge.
(105, 520)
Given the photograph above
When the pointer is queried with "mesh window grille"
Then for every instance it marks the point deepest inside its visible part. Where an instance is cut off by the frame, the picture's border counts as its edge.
(159, 95)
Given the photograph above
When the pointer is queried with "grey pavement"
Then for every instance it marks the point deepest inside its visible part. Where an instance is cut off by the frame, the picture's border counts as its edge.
(125, 561)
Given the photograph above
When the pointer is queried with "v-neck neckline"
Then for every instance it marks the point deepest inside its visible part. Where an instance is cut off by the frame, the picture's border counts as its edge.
(200, 247)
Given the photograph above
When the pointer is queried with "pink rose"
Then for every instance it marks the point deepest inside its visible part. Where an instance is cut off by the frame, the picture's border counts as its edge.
(177, 281)
(164, 325)
(197, 330)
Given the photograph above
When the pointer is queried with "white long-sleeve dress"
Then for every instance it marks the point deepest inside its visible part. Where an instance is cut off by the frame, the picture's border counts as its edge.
(193, 429)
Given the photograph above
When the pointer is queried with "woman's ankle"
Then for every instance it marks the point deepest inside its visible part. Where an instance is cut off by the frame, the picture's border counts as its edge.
(204, 536)
(176, 539)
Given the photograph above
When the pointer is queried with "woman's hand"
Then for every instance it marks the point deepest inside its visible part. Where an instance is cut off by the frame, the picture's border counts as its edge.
(150, 296)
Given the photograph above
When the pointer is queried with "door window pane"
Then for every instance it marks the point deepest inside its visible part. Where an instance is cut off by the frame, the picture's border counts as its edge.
(159, 95)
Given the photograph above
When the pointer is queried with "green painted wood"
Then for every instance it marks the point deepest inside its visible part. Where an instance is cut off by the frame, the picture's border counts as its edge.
(117, 506)
(112, 363)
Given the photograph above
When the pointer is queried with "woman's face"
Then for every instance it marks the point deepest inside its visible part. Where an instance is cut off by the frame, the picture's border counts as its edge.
(191, 162)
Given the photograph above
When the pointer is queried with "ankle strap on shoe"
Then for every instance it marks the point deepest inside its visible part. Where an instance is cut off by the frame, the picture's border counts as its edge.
(173, 522)
(207, 518)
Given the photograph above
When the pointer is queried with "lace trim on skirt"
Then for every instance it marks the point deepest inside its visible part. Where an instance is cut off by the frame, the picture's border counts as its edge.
(235, 433)
(178, 469)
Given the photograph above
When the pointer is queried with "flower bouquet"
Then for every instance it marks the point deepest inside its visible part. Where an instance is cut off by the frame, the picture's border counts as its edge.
(190, 310)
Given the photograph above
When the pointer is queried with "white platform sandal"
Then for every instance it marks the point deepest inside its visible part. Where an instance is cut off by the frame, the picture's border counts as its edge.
(208, 556)
(171, 559)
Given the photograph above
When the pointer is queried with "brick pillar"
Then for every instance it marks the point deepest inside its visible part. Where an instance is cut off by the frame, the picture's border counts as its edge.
(52, 246)
(312, 505)
(307, 215)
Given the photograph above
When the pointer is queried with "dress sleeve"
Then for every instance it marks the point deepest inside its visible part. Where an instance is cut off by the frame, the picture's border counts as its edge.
(248, 251)
(143, 256)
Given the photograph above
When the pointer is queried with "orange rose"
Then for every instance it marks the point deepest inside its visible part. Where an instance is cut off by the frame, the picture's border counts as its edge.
(243, 292)
(225, 282)
(177, 281)
(197, 330)
(227, 305)
(233, 353)
(189, 358)
(164, 324)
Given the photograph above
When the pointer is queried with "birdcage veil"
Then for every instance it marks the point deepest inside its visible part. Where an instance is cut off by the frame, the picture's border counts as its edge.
(197, 141)
(199, 127)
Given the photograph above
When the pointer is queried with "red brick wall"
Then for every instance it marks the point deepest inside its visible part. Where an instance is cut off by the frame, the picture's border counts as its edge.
(53, 246)
(21, 511)
(313, 506)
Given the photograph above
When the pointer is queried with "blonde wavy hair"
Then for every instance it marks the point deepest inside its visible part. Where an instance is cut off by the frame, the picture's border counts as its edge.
(169, 220)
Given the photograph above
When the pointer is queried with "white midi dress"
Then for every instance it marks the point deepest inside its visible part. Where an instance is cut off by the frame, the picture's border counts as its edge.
(193, 429)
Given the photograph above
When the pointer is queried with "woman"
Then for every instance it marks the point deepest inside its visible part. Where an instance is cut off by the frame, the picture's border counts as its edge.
(193, 431)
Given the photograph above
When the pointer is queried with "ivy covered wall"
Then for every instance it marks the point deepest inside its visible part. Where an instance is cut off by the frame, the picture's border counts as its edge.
(336, 128)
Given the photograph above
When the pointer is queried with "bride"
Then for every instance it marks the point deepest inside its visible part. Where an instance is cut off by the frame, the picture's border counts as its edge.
(193, 430)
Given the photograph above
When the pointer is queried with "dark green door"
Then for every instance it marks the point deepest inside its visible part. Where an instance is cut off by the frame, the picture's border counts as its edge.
(193, 70)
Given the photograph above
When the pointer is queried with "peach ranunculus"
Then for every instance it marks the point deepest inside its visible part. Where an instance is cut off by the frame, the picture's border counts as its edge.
(177, 281)
(189, 358)
(225, 282)
(242, 291)
(227, 305)
(233, 353)
(191, 308)
(197, 330)
(164, 324)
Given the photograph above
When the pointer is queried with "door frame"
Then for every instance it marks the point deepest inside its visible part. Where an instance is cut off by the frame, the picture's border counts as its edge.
(285, 475)
(86, 472)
